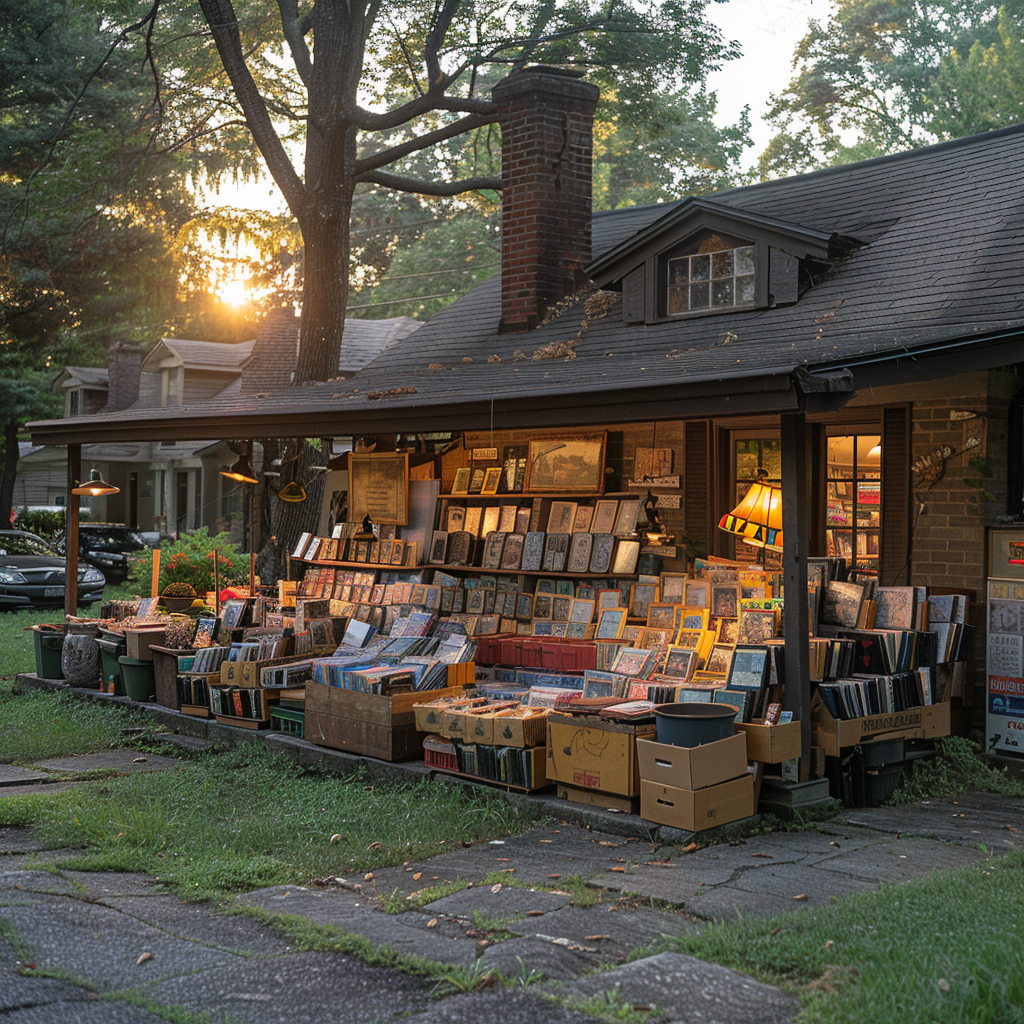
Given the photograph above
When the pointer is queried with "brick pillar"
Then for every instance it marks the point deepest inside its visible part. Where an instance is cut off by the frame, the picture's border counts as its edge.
(546, 117)
(124, 369)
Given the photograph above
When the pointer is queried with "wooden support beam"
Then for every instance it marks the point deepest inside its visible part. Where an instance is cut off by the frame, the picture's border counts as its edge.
(71, 534)
(794, 576)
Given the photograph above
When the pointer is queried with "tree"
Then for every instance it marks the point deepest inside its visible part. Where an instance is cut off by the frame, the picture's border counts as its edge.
(434, 55)
(896, 74)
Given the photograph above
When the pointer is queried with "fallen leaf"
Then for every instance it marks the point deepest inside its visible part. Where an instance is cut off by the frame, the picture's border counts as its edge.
(802, 896)
(507, 871)
(775, 931)
(943, 985)
(375, 846)
(138, 760)
(416, 877)
(337, 838)
(605, 842)
(618, 869)
(545, 840)
(1010, 828)
(503, 860)
(496, 887)
(687, 849)
(595, 938)
(368, 877)
(828, 945)
(142, 959)
(535, 913)
(762, 855)
(30, 967)
(432, 923)
(554, 876)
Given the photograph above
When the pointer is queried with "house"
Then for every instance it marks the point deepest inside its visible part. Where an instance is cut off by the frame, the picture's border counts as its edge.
(170, 485)
(856, 332)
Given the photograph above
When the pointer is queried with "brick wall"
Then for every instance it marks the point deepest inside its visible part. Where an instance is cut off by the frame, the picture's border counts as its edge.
(546, 117)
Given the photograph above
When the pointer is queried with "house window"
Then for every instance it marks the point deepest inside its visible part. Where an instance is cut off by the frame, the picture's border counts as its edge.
(74, 402)
(713, 276)
(854, 496)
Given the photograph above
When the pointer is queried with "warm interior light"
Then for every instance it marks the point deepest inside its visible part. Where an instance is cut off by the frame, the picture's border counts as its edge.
(757, 519)
(241, 471)
(876, 452)
(95, 486)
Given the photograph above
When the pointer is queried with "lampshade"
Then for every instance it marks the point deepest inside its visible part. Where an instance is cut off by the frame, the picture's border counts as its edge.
(757, 519)
(241, 471)
(95, 486)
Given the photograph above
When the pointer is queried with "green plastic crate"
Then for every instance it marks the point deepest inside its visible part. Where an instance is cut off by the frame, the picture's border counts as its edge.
(288, 720)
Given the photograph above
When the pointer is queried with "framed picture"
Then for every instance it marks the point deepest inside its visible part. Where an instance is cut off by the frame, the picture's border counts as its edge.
(438, 547)
(378, 486)
(672, 586)
(697, 593)
(475, 602)
(206, 631)
(492, 549)
(719, 660)
(680, 663)
(641, 597)
(610, 622)
(655, 637)
(546, 587)
(582, 610)
(231, 611)
(476, 481)
(460, 485)
(492, 478)
(602, 549)
(533, 552)
(608, 599)
(626, 555)
(397, 551)
(662, 615)
(728, 631)
(579, 552)
(605, 513)
(725, 600)
(524, 607)
(385, 551)
(561, 606)
(568, 463)
(456, 518)
(555, 551)
(512, 553)
(147, 607)
(583, 518)
(561, 516)
(631, 661)
(755, 626)
(625, 519)
(542, 606)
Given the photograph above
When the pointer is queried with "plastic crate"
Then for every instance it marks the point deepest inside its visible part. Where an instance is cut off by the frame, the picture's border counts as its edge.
(439, 753)
(288, 720)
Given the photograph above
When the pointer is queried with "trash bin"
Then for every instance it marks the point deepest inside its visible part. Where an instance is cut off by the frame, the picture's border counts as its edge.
(48, 644)
(110, 651)
(138, 678)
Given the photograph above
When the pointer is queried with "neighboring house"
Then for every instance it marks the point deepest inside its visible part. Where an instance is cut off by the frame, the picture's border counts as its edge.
(172, 485)
(858, 332)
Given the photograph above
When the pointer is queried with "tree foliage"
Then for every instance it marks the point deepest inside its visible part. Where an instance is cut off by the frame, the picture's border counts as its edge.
(896, 74)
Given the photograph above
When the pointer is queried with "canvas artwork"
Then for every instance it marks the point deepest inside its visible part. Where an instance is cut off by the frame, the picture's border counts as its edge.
(725, 600)
(582, 610)
(561, 606)
(661, 615)
(680, 663)
(555, 552)
(728, 631)
(755, 626)
(564, 464)
(602, 549)
(631, 661)
(542, 606)
(561, 516)
(603, 520)
(719, 660)
(533, 552)
(672, 586)
(641, 596)
(608, 599)
(492, 549)
(579, 552)
(513, 551)
(697, 593)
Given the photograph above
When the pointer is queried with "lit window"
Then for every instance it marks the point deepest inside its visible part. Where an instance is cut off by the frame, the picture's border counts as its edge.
(716, 276)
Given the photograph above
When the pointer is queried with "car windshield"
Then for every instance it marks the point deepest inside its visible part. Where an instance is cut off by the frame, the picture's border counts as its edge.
(111, 537)
(24, 544)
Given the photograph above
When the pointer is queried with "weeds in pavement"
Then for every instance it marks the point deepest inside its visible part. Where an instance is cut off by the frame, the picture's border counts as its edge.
(957, 766)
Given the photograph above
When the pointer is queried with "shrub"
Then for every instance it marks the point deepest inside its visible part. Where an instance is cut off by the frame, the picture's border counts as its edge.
(45, 522)
(190, 560)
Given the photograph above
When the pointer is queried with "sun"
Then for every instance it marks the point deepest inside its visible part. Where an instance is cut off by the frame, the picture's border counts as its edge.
(234, 292)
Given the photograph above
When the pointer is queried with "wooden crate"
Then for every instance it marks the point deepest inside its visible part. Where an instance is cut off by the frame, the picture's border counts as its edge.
(165, 674)
(367, 723)
(833, 735)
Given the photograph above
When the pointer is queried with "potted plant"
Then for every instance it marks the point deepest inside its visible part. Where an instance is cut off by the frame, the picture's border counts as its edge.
(177, 597)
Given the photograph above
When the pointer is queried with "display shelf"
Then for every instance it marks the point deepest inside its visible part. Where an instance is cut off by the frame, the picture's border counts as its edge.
(557, 496)
(393, 566)
(480, 570)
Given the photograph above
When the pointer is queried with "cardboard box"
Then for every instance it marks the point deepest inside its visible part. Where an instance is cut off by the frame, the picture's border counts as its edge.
(693, 767)
(139, 641)
(589, 752)
(509, 730)
(771, 744)
(595, 798)
(915, 724)
(695, 810)
(247, 673)
(366, 723)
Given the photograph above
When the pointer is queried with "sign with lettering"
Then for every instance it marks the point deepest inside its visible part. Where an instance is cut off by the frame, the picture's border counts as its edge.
(378, 486)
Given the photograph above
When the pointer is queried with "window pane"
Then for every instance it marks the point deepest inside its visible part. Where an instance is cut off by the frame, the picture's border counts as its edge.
(677, 300)
(722, 293)
(678, 271)
(721, 264)
(744, 290)
(699, 296)
(700, 268)
(745, 260)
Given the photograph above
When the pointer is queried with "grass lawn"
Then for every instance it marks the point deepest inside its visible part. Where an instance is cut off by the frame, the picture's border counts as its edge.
(17, 651)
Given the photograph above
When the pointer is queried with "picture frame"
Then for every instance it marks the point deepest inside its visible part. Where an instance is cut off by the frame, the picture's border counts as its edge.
(725, 600)
(561, 608)
(512, 553)
(631, 661)
(474, 515)
(626, 554)
(625, 518)
(542, 606)
(533, 552)
(555, 550)
(566, 463)
(438, 547)
(609, 598)
(493, 546)
(641, 597)
(662, 615)
(378, 486)
(460, 485)
(147, 607)
(579, 552)
(582, 610)
(605, 512)
(601, 552)
(719, 660)
(524, 607)
(583, 518)
(205, 633)
(397, 551)
(697, 593)
(673, 586)
(492, 479)
(561, 516)
(232, 611)
(680, 663)
(610, 622)
(455, 518)
(727, 631)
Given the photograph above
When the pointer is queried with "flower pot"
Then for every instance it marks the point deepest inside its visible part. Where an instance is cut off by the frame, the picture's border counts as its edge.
(138, 678)
(177, 604)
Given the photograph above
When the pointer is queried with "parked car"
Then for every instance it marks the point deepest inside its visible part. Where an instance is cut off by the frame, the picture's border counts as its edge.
(32, 573)
(107, 547)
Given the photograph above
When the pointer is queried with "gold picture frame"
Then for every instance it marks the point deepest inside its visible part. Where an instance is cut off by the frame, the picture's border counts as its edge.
(566, 464)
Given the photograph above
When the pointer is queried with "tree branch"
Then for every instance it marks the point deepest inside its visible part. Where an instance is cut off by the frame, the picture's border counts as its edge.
(450, 131)
(294, 36)
(369, 121)
(433, 43)
(220, 16)
(430, 188)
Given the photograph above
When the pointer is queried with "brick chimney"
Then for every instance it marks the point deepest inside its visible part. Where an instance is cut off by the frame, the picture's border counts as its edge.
(124, 368)
(546, 116)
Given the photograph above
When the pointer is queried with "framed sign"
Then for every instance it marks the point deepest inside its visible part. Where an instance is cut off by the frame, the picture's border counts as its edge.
(378, 486)
(1006, 552)
(570, 463)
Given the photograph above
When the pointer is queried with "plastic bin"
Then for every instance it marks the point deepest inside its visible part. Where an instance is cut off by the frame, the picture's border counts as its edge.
(138, 677)
(48, 644)
(288, 720)
(110, 651)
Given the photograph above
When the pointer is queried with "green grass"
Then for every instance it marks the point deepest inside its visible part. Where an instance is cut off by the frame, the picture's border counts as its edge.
(17, 650)
(38, 725)
(248, 818)
(948, 949)
(957, 766)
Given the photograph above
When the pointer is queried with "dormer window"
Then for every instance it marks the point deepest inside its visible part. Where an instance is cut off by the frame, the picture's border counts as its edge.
(714, 274)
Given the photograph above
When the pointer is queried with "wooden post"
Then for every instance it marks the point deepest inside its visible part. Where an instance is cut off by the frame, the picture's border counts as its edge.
(154, 586)
(794, 576)
(71, 534)
(216, 581)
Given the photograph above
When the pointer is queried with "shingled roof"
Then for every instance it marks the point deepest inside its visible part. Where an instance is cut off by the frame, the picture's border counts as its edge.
(936, 285)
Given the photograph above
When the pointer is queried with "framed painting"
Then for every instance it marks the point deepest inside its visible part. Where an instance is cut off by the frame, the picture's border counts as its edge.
(605, 512)
(460, 485)
(378, 486)
(492, 478)
(610, 622)
(571, 463)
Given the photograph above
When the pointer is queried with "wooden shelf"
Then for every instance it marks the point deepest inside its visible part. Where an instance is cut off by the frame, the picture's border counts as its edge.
(357, 565)
(482, 571)
(554, 496)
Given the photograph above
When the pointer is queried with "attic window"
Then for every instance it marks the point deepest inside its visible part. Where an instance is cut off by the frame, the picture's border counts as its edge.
(713, 276)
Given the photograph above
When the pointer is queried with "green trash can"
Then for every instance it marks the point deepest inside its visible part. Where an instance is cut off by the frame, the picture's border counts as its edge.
(48, 644)
(138, 678)
(110, 651)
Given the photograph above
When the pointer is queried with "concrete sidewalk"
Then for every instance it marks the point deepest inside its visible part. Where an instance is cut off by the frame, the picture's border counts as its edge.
(75, 943)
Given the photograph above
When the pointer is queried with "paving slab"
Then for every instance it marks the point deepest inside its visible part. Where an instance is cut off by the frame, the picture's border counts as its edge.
(14, 774)
(119, 760)
(194, 743)
(624, 929)
(689, 991)
(19, 990)
(727, 903)
(800, 884)
(17, 840)
(42, 883)
(551, 955)
(52, 788)
(901, 860)
(995, 825)
(506, 904)
(509, 1007)
(88, 1009)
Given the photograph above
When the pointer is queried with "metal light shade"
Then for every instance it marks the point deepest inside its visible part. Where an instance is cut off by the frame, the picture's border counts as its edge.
(241, 471)
(95, 486)
(757, 519)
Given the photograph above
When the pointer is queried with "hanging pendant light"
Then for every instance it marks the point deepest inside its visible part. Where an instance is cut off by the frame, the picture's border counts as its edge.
(95, 486)
(242, 471)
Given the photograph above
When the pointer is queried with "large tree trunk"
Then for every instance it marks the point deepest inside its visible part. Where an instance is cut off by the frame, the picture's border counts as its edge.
(10, 473)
